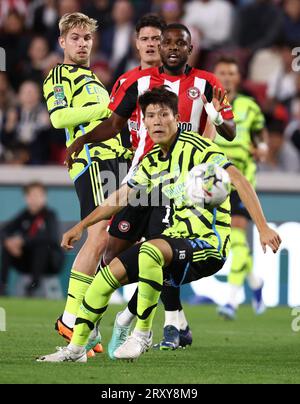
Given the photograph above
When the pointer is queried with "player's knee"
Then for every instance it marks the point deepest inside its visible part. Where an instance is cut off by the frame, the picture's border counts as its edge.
(151, 255)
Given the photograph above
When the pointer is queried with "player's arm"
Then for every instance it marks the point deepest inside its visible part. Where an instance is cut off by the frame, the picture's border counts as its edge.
(64, 117)
(58, 95)
(248, 196)
(227, 130)
(210, 131)
(106, 130)
(112, 205)
(122, 105)
(214, 109)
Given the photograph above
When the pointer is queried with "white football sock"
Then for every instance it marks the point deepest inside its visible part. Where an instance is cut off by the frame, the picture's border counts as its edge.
(125, 317)
(182, 320)
(234, 295)
(69, 319)
(254, 281)
(172, 318)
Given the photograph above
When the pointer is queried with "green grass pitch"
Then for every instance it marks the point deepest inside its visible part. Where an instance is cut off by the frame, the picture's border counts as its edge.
(250, 350)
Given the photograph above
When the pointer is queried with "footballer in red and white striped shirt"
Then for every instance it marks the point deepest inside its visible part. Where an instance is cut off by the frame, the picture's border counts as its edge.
(196, 89)
(188, 86)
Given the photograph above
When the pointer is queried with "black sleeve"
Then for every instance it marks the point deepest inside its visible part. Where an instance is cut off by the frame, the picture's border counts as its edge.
(126, 137)
(208, 92)
(129, 101)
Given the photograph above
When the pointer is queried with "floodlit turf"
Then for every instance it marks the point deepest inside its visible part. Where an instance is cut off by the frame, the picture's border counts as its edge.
(250, 350)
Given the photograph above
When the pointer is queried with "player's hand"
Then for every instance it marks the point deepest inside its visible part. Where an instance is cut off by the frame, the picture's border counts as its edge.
(271, 238)
(73, 151)
(14, 245)
(261, 152)
(217, 99)
(71, 236)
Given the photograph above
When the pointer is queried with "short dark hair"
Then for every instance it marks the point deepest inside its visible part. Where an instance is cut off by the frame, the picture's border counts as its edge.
(159, 96)
(34, 184)
(228, 60)
(178, 26)
(150, 20)
(275, 127)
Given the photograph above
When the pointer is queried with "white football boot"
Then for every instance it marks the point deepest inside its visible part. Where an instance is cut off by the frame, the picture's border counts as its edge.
(64, 354)
(134, 347)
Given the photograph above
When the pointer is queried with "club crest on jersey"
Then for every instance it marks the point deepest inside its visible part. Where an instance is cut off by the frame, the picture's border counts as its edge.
(59, 92)
(124, 226)
(193, 93)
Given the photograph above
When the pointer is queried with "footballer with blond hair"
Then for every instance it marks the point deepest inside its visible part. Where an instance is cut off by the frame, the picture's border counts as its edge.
(77, 101)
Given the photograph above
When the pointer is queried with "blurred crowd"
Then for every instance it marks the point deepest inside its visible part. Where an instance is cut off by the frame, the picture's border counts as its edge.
(261, 34)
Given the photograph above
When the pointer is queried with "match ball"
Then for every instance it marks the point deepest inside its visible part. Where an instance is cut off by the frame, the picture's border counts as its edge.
(207, 185)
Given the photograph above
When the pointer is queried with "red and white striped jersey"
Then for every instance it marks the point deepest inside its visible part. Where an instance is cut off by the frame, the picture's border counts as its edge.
(188, 86)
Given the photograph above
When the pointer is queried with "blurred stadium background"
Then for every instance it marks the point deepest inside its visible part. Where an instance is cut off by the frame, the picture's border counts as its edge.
(262, 34)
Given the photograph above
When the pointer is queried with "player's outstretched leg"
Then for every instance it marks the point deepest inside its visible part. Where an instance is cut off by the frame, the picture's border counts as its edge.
(151, 262)
(91, 310)
(81, 277)
(241, 266)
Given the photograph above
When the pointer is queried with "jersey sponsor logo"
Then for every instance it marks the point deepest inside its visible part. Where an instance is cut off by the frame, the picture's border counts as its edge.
(193, 93)
(185, 126)
(60, 103)
(176, 193)
(112, 99)
(124, 226)
(59, 93)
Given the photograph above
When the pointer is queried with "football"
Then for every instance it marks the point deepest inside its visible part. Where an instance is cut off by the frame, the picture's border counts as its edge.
(207, 185)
